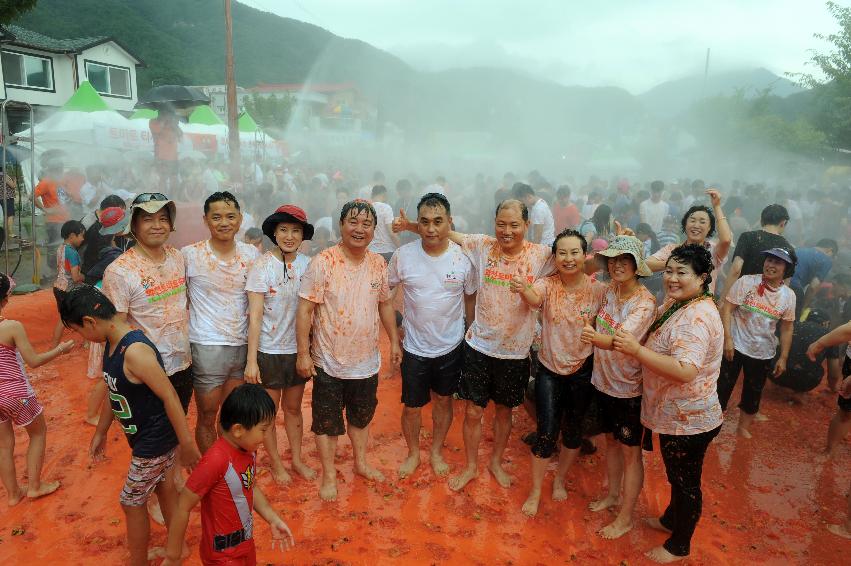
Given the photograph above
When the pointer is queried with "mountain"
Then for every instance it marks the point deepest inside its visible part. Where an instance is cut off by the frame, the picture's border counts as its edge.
(671, 98)
(181, 41)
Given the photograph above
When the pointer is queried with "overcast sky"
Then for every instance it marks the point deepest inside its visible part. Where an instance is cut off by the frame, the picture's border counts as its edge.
(634, 44)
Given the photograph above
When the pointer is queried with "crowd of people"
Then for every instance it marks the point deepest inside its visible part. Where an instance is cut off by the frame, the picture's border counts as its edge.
(610, 311)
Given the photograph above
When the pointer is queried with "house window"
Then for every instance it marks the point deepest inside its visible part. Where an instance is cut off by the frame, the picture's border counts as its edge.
(30, 71)
(107, 79)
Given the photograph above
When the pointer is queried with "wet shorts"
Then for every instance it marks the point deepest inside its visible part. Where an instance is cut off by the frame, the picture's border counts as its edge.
(213, 365)
(143, 477)
(277, 371)
(486, 379)
(421, 375)
(20, 410)
(331, 395)
(182, 383)
(621, 417)
(842, 402)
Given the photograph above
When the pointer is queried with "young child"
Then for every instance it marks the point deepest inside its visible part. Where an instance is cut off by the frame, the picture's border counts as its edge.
(68, 271)
(18, 404)
(113, 222)
(254, 237)
(224, 483)
(144, 403)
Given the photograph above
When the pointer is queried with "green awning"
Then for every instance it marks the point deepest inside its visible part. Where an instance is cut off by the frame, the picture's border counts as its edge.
(86, 99)
(247, 123)
(144, 114)
(204, 115)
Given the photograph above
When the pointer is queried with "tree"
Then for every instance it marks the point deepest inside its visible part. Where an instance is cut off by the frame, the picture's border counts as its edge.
(10, 10)
(270, 112)
(833, 88)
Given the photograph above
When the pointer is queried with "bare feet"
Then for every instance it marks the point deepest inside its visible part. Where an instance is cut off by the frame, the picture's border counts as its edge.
(662, 556)
(369, 472)
(304, 471)
(46, 488)
(92, 421)
(439, 465)
(759, 417)
(530, 508)
(559, 492)
(615, 529)
(744, 433)
(328, 489)
(501, 476)
(280, 475)
(410, 465)
(656, 524)
(602, 504)
(458, 482)
(840, 530)
(16, 498)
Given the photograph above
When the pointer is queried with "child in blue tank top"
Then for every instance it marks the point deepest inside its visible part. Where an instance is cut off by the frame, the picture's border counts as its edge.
(144, 403)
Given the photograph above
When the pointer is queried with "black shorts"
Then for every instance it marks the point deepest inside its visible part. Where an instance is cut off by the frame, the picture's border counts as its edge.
(182, 383)
(59, 295)
(277, 371)
(621, 417)
(421, 375)
(486, 379)
(331, 395)
(842, 402)
(9, 209)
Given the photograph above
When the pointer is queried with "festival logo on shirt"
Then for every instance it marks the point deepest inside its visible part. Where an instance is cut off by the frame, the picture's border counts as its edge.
(753, 304)
(248, 477)
(606, 321)
(497, 277)
(454, 278)
(164, 290)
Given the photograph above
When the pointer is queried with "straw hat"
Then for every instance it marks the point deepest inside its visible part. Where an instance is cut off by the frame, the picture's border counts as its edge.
(628, 245)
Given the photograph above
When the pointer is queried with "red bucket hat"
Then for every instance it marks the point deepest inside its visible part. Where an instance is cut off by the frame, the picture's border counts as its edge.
(287, 213)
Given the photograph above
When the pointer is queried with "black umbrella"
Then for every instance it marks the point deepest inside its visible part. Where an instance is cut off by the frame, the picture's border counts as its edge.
(172, 96)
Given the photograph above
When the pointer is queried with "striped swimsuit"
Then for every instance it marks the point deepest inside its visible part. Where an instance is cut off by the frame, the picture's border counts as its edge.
(17, 398)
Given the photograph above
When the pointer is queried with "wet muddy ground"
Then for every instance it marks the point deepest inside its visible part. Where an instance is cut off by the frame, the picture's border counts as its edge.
(766, 501)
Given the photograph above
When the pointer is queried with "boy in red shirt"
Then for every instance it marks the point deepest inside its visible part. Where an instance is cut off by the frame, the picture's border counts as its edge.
(224, 484)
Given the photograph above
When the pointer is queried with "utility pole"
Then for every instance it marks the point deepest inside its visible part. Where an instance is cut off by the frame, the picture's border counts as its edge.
(706, 71)
(232, 109)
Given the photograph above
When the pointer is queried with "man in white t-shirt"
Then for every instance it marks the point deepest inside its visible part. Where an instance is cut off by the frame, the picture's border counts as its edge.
(438, 288)
(385, 241)
(216, 271)
(654, 210)
(365, 192)
(541, 222)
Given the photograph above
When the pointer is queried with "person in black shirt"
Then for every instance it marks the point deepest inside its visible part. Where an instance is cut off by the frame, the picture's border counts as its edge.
(748, 258)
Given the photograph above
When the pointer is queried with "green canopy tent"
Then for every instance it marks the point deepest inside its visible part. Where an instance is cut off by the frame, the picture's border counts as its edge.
(205, 115)
(144, 114)
(86, 99)
(247, 123)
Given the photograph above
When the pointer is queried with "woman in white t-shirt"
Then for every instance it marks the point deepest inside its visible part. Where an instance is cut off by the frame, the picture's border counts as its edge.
(272, 285)
(750, 313)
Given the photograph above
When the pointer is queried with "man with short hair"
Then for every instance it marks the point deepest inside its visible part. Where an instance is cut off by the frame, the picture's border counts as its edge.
(654, 210)
(385, 241)
(565, 213)
(438, 286)
(814, 265)
(540, 216)
(496, 354)
(216, 272)
(748, 258)
(344, 294)
(147, 285)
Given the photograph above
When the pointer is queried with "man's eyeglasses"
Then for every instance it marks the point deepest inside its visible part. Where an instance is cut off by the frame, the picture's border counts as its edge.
(148, 197)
